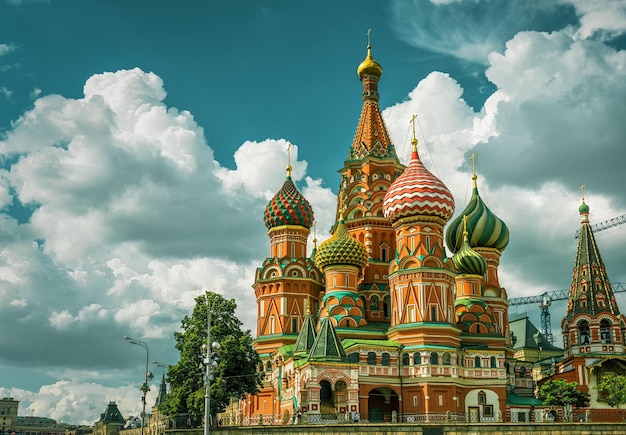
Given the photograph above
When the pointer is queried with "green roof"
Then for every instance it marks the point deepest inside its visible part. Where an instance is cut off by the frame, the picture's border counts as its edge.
(515, 399)
(351, 342)
(306, 338)
(327, 346)
(528, 336)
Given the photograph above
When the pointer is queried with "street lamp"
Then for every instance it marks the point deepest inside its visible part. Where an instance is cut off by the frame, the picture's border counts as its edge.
(144, 387)
(209, 360)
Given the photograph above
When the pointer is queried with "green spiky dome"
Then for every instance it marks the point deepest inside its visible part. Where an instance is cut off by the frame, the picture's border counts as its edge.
(486, 230)
(288, 207)
(468, 261)
(341, 248)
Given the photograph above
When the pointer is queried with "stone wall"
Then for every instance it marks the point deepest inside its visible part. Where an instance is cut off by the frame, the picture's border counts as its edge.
(424, 429)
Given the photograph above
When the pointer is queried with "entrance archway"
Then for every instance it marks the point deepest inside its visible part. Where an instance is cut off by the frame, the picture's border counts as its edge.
(381, 403)
(327, 403)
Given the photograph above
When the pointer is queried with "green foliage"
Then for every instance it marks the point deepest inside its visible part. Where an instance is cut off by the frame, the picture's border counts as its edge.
(559, 392)
(612, 388)
(237, 370)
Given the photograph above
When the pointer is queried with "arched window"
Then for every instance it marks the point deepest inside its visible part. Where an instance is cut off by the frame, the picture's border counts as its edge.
(371, 358)
(493, 362)
(434, 358)
(522, 372)
(384, 359)
(268, 366)
(605, 331)
(417, 358)
(482, 398)
(374, 303)
(405, 359)
(446, 359)
(477, 361)
(353, 357)
(387, 306)
(583, 329)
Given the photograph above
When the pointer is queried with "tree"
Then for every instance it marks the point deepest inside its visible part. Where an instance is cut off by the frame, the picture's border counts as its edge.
(612, 388)
(559, 392)
(236, 372)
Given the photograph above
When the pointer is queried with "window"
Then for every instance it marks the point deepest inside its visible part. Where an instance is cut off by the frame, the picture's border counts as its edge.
(410, 313)
(477, 361)
(434, 358)
(433, 313)
(417, 358)
(295, 325)
(268, 366)
(446, 359)
(488, 410)
(371, 358)
(493, 362)
(583, 329)
(405, 359)
(293, 250)
(272, 325)
(374, 303)
(353, 357)
(605, 331)
(482, 398)
(385, 359)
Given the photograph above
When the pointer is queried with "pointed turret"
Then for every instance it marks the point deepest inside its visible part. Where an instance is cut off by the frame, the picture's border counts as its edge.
(162, 392)
(590, 290)
(307, 336)
(593, 322)
(327, 346)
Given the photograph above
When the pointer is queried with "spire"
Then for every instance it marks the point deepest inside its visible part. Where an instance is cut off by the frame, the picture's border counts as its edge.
(162, 392)
(288, 168)
(590, 289)
(371, 137)
(327, 346)
(307, 335)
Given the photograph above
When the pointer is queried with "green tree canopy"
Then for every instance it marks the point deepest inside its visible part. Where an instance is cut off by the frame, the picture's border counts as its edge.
(612, 388)
(236, 372)
(559, 392)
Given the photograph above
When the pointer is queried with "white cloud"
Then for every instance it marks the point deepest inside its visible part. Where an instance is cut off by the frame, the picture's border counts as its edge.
(604, 19)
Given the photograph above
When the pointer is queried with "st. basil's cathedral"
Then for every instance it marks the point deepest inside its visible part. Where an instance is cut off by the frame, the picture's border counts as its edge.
(378, 323)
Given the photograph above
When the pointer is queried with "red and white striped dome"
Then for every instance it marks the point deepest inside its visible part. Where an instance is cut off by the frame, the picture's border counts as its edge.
(417, 192)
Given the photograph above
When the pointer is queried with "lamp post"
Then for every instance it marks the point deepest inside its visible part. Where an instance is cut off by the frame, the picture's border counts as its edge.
(209, 360)
(144, 388)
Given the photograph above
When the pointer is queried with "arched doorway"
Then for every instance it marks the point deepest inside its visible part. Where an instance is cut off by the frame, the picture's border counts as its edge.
(381, 403)
(327, 403)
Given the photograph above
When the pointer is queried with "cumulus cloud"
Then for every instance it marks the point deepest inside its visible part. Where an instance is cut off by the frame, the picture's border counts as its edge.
(129, 218)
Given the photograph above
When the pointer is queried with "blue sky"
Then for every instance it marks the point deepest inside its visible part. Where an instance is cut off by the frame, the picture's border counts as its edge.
(140, 141)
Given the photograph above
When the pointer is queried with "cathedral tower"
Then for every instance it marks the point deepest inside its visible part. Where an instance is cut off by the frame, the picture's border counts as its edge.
(367, 173)
(421, 279)
(593, 323)
(288, 279)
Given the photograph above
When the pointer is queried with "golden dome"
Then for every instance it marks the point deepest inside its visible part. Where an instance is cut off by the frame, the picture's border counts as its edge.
(369, 65)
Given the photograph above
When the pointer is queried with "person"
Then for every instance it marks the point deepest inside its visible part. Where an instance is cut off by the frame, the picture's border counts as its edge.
(357, 417)
(299, 416)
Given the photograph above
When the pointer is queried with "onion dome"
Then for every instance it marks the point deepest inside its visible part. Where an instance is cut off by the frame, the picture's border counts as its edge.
(417, 192)
(485, 228)
(584, 208)
(288, 207)
(468, 261)
(341, 248)
(369, 65)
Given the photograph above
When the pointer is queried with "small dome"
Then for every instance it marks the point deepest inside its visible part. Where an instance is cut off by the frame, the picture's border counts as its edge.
(417, 192)
(288, 207)
(369, 66)
(486, 230)
(468, 261)
(341, 248)
(584, 208)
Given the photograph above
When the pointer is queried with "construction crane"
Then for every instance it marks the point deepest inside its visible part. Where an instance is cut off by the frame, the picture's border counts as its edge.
(545, 300)
(605, 225)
